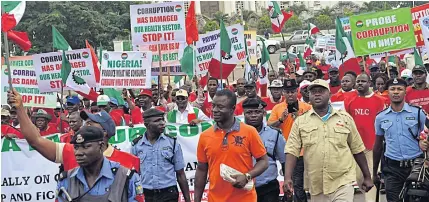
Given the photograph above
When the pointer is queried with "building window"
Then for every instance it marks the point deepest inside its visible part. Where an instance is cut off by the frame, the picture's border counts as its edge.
(239, 6)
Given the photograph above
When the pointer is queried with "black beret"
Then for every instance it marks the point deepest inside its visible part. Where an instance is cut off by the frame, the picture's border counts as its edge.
(152, 113)
(290, 84)
(396, 81)
(254, 103)
(87, 134)
(250, 84)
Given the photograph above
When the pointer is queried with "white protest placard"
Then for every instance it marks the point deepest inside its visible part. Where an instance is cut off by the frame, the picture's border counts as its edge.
(27, 175)
(48, 68)
(25, 82)
(126, 70)
(170, 57)
(157, 23)
(206, 45)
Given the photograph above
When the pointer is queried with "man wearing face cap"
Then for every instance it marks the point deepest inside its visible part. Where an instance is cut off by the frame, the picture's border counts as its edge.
(63, 152)
(96, 178)
(398, 127)
(267, 185)
(418, 93)
(162, 158)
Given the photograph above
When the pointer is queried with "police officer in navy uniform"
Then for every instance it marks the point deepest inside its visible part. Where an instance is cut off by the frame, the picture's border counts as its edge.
(96, 178)
(267, 185)
(399, 126)
(161, 161)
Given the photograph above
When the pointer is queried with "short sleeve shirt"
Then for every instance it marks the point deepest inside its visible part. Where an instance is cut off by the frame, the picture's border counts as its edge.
(242, 144)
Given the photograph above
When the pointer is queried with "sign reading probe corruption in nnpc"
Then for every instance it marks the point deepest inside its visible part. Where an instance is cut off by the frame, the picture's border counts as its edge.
(382, 31)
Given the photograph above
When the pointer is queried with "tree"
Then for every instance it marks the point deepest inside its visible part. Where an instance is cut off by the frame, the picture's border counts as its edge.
(341, 6)
(297, 9)
(264, 23)
(293, 23)
(210, 26)
(324, 22)
(325, 11)
(99, 22)
(221, 16)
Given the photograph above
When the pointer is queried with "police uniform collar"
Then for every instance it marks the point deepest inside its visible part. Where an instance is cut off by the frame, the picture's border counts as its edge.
(235, 126)
(109, 151)
(106, 171)
(146, 141)
(406, 107)
(265, 127)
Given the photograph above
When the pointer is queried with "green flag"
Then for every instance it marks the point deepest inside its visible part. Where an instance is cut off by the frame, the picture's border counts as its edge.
(65, 68)
(58, 40)
(177, 79)
(301, 60)
(188, 61)
(417, 59)
(339, 34)
(225, 42)
(113, 93)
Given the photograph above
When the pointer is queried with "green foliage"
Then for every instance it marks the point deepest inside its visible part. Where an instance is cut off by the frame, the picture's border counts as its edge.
(294, 23)
(210, 26)
(220, 16)
(297, 9)
(264, 22)
(100, 22)
(324, 22)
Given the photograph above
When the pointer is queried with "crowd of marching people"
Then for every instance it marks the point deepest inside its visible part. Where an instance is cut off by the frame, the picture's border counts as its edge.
(327, 129)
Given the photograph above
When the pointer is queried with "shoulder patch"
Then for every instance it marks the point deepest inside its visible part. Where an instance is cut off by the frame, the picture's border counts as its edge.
(136, 140)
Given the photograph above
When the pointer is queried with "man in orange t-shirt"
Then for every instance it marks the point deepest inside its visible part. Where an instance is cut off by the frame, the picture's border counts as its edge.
(282, 117)
(234, 144)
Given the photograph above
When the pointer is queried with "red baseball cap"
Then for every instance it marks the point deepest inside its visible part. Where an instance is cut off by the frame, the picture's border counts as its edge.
(147, 92)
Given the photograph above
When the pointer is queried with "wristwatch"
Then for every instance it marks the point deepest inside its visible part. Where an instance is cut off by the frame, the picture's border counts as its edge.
(248, 177)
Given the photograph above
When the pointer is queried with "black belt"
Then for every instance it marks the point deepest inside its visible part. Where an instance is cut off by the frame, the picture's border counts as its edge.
(401, 164)
(153, 191)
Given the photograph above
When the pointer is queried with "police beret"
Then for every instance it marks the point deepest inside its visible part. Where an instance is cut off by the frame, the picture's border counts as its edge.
(290, 84)
(87, 134)
(254, 103)
(250, 84)
(152, 113)
(396, 81)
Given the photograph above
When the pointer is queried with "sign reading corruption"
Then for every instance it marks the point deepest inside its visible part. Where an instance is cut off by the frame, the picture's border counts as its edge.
(24, 81)
(382, 31)
(418, 13)
(157, 23)
(48, 69)
(126, 70)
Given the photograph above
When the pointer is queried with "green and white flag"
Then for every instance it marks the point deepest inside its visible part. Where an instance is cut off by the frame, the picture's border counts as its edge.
(58, 40)
(265, 59)
(70, 79)
(15, 9)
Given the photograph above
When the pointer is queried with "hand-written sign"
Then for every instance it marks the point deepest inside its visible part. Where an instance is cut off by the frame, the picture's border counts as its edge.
(157, 23)
(126, 70)
(382, 31)
(48, 69)
(25, 82)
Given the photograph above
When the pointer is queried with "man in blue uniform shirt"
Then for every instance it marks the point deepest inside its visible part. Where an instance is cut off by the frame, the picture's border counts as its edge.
(161, 161)
(96, 178)
(267, 185)
(399, 126)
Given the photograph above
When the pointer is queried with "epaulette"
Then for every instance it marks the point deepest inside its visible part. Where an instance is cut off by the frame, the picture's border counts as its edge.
(62, 176)
(136, 140)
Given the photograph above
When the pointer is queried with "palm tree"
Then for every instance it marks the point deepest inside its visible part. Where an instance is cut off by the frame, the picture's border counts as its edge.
(325, 11)
(297, 9)
(217, 17)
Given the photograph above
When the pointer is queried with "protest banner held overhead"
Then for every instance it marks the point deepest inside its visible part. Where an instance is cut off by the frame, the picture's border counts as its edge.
(417, 13)
(159, 23)
(170, 56)
(206, 45)
(126, 70)
(345, 22)
(48, 69)
(24, 81)
(250, 37)
(382, 31)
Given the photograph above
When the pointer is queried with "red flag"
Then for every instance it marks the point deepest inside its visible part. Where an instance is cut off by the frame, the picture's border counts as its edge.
(307, 52)
(203, 81)
(94, 62)
(351, 64)
(191, 25)
(8, 22)
(20, 39)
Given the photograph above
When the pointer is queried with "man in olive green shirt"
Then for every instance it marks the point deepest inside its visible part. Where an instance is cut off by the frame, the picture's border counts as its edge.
(330, 140)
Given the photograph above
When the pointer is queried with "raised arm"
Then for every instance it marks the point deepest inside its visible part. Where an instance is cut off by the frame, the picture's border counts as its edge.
(45, 147)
